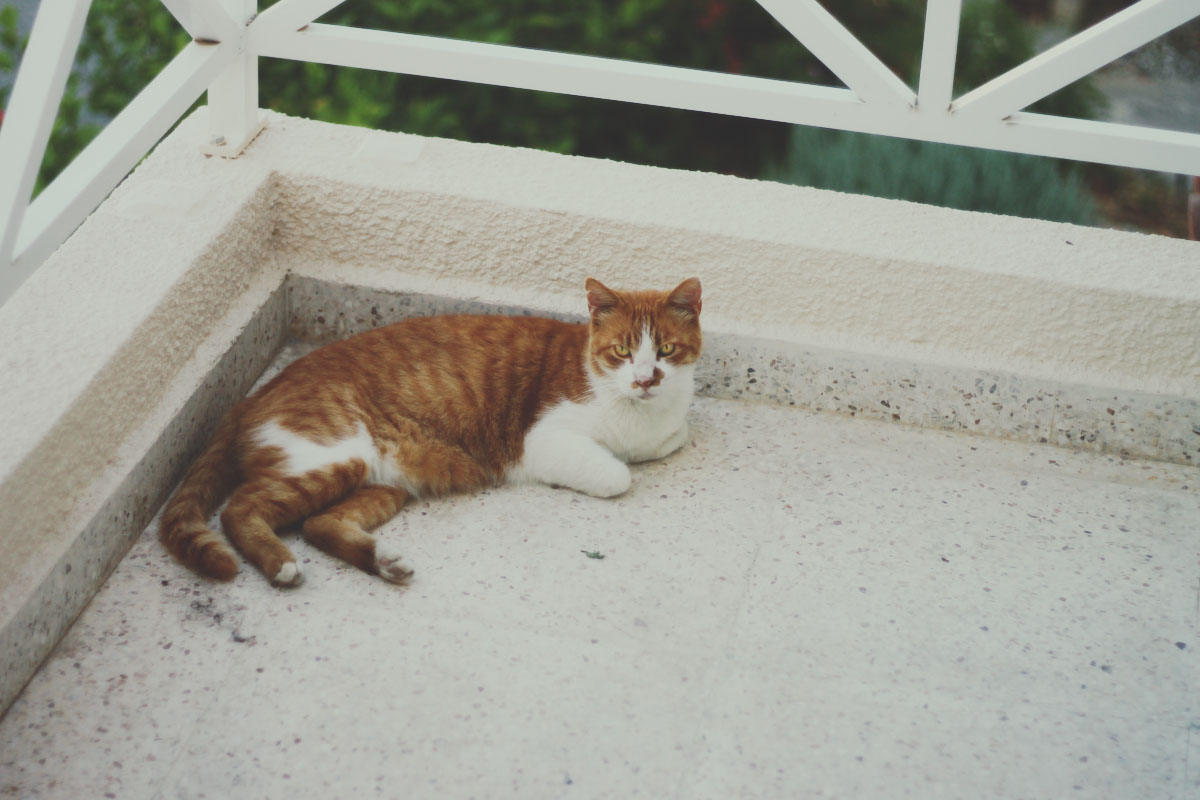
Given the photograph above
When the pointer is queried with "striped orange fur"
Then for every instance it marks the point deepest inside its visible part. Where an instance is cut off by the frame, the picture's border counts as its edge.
(343, 437)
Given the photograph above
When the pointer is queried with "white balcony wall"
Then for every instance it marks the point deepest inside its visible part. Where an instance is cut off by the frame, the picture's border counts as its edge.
(171, 297)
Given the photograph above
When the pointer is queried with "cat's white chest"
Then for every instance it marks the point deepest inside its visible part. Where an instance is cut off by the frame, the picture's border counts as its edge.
(585, 446)
(632, 432)
(635, 430)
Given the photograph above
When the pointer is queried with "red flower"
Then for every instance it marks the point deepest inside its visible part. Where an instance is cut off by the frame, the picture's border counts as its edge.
(713, 14)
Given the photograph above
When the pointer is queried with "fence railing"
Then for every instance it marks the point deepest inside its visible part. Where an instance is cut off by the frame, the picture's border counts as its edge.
(228, 38)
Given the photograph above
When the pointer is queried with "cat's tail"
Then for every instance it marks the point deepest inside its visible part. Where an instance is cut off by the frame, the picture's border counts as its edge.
(184, 527)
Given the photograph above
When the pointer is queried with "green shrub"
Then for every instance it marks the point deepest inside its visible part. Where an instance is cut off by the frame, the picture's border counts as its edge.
(126, 42)
(938, 174)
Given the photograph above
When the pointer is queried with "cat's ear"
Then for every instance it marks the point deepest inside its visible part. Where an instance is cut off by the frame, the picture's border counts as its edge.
(601, 299)
(686, 297)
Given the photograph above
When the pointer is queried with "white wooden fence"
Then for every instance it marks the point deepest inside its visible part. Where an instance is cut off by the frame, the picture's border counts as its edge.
(228, 37)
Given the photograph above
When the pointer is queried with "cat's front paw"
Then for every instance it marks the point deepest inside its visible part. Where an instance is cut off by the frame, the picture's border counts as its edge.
(611, 481)
(288, 574)
(389, 564)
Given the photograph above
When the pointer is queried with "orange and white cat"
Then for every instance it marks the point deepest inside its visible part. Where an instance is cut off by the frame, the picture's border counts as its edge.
(344, 436)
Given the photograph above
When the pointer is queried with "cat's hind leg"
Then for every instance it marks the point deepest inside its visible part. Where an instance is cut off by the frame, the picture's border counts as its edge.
(263, 505)
(341, 531)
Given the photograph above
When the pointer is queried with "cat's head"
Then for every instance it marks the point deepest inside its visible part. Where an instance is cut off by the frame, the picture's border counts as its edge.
(644, 345)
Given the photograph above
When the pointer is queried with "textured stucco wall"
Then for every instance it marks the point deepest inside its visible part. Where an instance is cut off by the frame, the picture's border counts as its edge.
(92, 340)
(169, 298)
(933, 285)
(104, 349)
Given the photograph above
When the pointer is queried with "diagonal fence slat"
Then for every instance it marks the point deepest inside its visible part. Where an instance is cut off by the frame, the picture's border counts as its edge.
(938, 53)
(204, 19)
(1074, 58)
(89, 178)
(30, 115)
(840, 51)
(287, 16)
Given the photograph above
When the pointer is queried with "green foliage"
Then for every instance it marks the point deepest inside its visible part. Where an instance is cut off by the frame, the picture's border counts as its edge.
(719, 35)
(944, 175)
(992, 40)
(9, 45)
(124, 45)
(678, 32)
(70, 132)
(127, 42)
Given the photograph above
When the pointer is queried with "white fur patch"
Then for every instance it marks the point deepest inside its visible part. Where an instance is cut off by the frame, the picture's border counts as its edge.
(389, 563)
(645, 357)
(289, 575)
(304, 455)
(582, 445)
(558, 452)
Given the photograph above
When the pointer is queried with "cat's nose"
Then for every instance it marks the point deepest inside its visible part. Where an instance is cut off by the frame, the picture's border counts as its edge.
(646, 383)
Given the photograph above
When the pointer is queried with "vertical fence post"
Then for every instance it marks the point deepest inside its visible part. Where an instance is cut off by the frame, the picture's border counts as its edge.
(233, 97)
(29, 118)
(938, 54)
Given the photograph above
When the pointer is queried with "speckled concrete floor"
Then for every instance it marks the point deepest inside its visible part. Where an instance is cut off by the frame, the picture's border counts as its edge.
(795, 605)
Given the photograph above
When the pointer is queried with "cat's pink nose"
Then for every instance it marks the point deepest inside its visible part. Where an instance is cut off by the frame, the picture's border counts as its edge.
(647, 383)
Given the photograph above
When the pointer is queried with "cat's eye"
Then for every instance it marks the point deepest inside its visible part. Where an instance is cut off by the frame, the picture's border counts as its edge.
(621, 350)
(666, 349)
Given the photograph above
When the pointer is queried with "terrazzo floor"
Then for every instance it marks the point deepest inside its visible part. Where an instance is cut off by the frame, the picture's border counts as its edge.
(795, 605)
